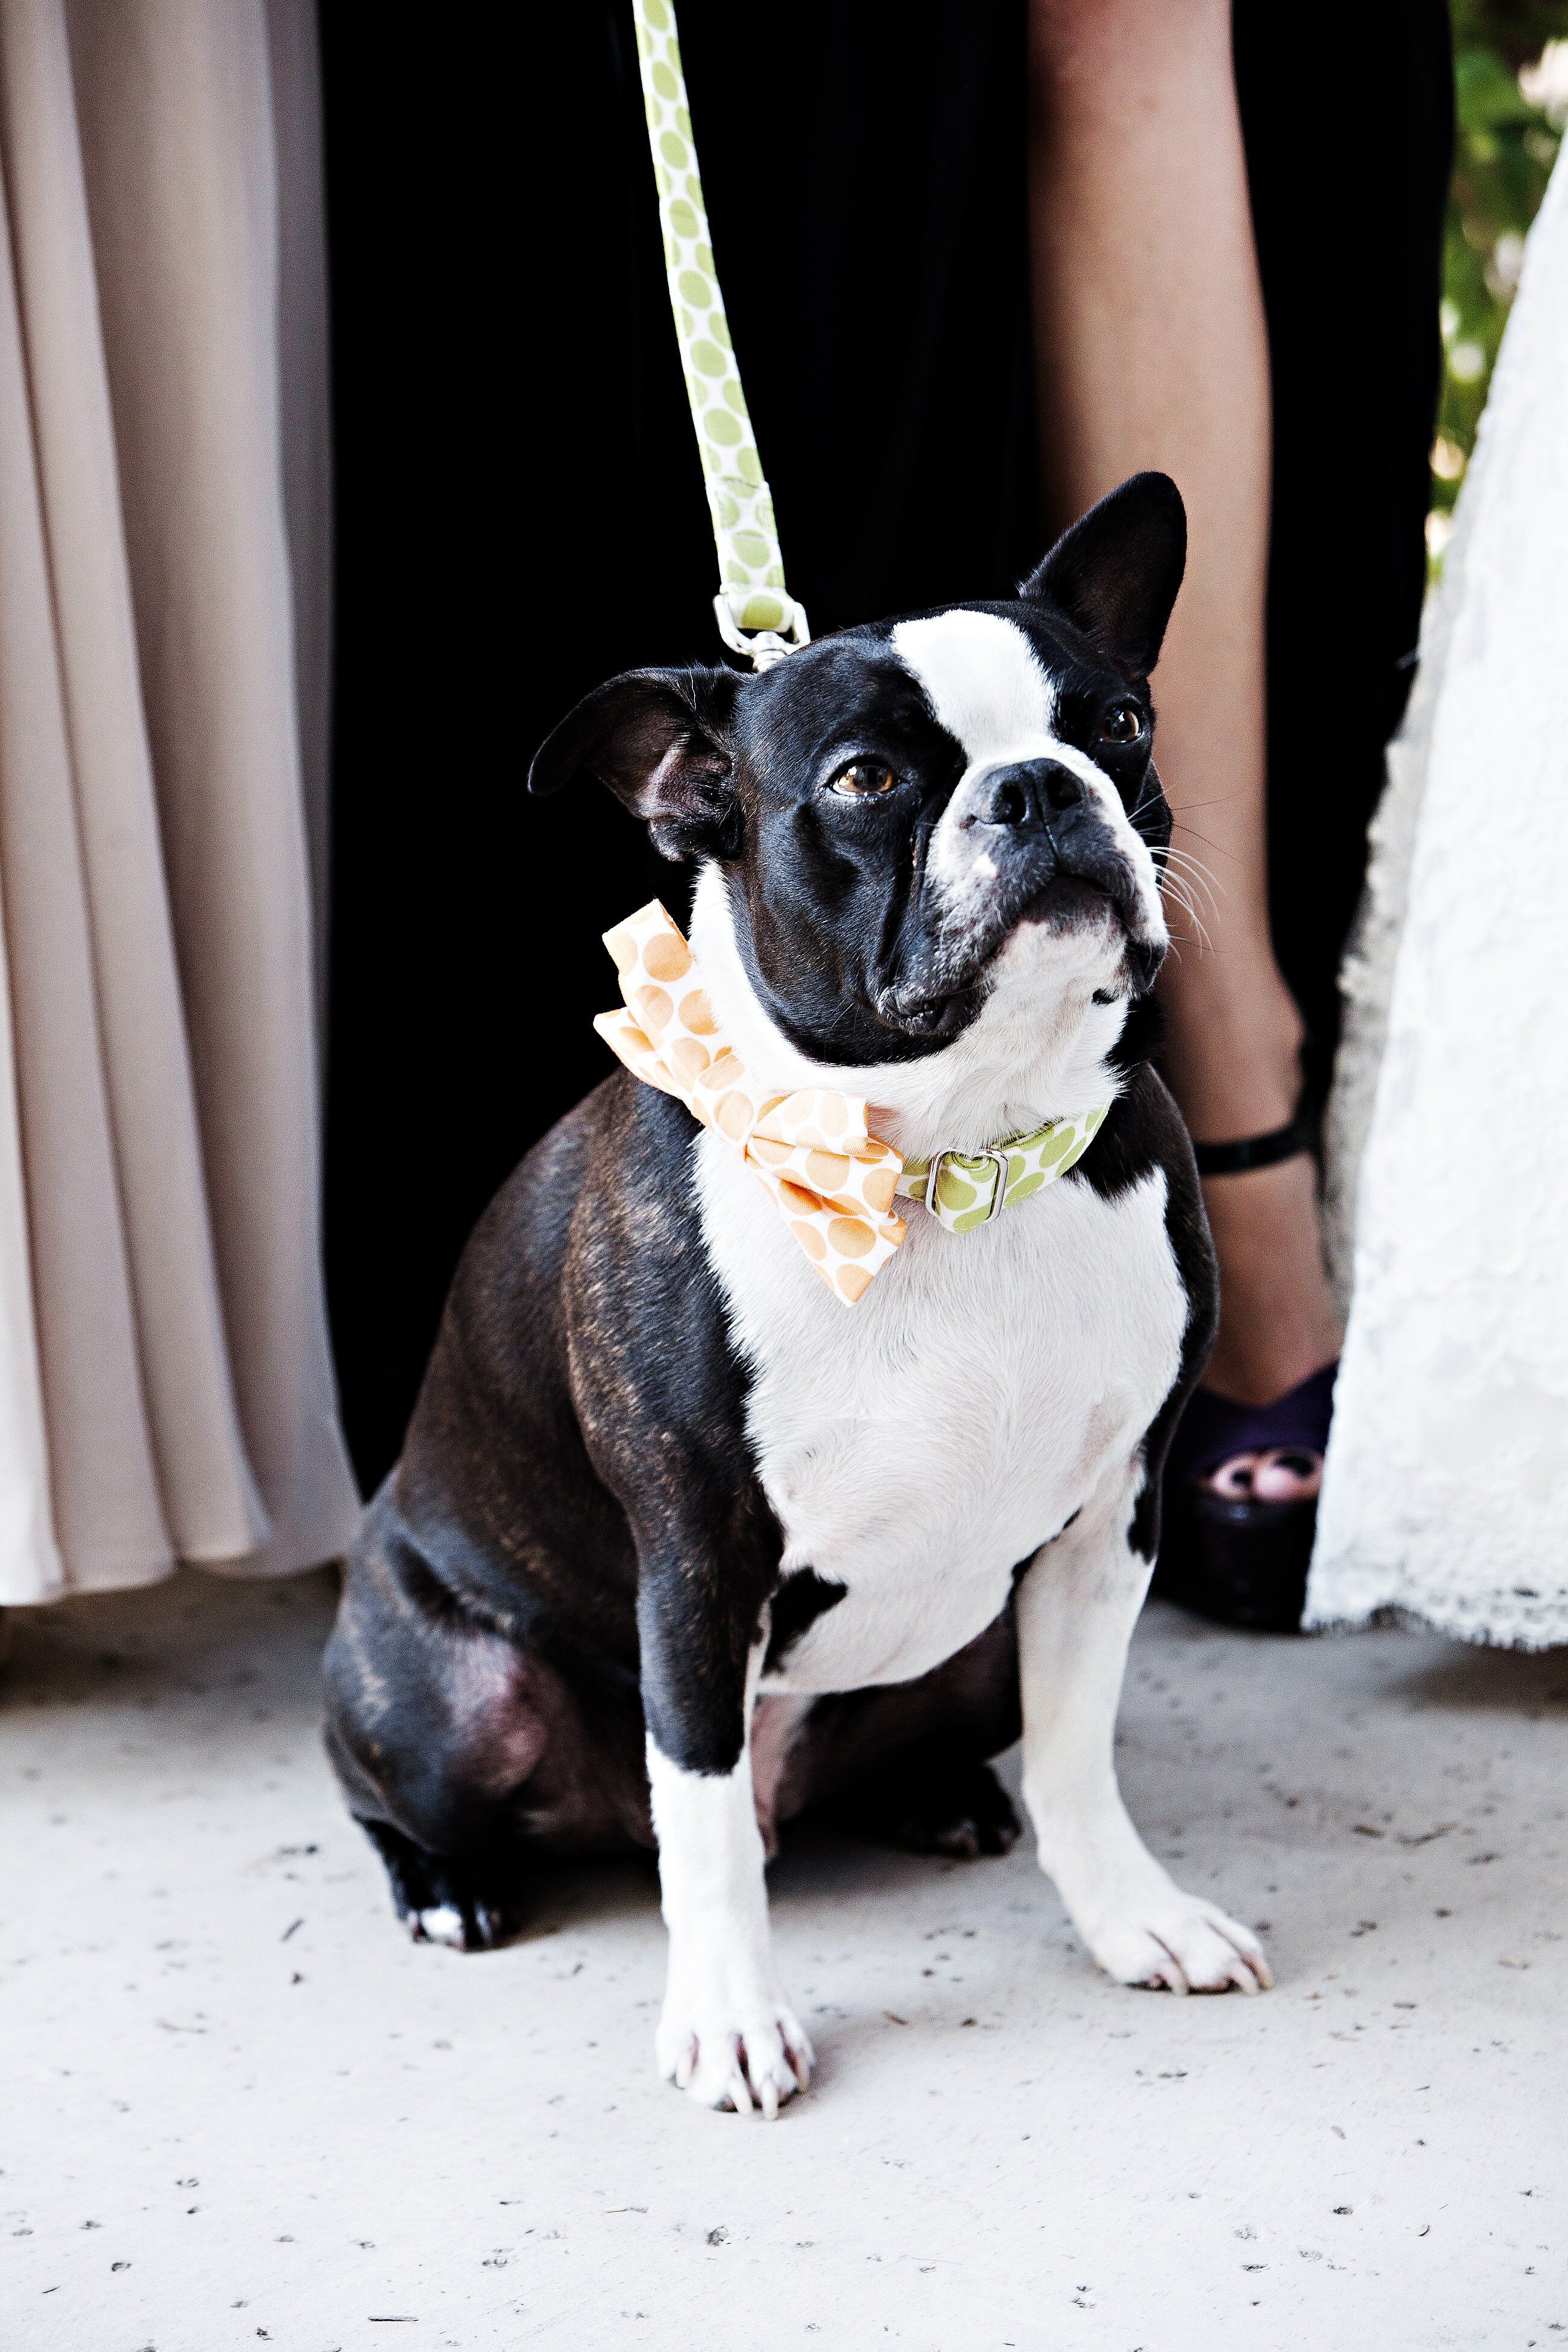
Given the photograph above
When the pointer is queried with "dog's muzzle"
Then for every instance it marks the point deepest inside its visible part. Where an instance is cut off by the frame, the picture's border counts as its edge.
(1049, 823)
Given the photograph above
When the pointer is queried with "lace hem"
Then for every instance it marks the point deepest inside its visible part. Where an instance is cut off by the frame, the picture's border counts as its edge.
(1489, 1620)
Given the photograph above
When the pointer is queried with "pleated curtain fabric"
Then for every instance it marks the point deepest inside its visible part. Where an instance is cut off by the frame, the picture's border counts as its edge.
(166, 1389)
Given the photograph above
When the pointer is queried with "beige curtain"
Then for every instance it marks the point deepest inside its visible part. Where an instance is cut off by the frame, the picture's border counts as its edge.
(165, 1386)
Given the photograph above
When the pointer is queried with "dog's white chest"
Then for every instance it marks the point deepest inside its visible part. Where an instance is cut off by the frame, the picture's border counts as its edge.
(918, 1446)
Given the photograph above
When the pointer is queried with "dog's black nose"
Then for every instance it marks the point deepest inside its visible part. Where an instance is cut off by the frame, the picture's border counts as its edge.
(1030, 793)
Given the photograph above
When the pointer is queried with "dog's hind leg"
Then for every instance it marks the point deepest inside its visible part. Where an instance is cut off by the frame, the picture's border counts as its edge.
(907, 1763)
(459, 1749)
(472, 1901)
(1076, 1606)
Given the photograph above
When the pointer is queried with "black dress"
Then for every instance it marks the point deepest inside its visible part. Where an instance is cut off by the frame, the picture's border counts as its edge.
(520, 510)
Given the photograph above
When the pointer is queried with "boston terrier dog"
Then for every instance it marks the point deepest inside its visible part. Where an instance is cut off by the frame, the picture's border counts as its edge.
(681, 1543)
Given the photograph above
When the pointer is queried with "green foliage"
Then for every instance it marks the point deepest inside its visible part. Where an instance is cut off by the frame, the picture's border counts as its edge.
(1505, 150)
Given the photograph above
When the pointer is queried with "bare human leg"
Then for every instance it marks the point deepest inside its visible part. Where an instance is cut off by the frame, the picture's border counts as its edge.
(1153, 352)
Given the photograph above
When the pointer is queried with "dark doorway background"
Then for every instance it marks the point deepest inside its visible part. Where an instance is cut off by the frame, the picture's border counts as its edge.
(520, 511)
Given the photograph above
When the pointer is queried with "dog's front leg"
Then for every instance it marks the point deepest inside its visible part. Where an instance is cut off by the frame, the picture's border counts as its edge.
(1078, 1604)
(727, 2036)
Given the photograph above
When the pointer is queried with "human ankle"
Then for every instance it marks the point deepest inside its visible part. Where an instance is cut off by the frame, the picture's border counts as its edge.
(1278, 1323)
(1233, 1059)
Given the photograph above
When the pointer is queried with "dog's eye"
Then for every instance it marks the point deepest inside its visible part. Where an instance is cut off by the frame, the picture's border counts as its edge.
(1123, 723)
(863, 779)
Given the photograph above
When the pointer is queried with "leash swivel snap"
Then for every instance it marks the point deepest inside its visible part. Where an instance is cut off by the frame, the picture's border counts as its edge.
(763, 644)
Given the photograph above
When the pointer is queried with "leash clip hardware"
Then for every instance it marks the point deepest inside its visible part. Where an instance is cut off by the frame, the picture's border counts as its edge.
(761, 647)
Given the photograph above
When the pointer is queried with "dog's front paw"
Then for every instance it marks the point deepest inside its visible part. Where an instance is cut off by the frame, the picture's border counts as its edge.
(748, 2053)
(1164, 1938)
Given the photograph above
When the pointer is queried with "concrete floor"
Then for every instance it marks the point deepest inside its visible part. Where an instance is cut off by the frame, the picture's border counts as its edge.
(240, 2108)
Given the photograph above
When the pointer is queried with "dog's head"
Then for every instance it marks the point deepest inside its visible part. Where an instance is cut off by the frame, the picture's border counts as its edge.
(893, 807)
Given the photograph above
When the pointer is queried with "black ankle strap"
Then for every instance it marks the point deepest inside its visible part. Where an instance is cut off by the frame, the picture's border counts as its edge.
(1258, 1151)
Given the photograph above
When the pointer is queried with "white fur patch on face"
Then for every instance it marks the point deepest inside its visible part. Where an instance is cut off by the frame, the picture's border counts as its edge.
(983, 681)
(987, 686)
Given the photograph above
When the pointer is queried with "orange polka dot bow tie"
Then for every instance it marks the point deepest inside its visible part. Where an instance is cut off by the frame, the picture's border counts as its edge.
(833, 1181)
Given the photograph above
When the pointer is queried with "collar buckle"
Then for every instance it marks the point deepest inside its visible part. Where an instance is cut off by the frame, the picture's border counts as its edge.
(997, 1155)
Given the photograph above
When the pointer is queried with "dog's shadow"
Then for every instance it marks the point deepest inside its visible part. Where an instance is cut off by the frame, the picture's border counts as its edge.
(819, 1861)
(1472, 1680)
(558, 1893)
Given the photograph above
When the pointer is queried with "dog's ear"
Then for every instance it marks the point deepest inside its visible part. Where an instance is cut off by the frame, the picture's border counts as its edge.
(1116, 572)
(660, 740)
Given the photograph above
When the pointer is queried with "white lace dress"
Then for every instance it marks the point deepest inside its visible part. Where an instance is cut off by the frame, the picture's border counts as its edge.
(1446, 1492)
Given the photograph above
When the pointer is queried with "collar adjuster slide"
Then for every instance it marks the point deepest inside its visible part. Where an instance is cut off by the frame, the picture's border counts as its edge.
(979, 1184)
(997, 1155)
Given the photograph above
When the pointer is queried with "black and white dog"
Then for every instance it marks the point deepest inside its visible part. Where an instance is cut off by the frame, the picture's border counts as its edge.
(682, 1545)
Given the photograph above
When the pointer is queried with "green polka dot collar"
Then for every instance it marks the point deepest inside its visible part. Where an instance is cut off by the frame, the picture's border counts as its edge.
(756, 614)
(971, 1188)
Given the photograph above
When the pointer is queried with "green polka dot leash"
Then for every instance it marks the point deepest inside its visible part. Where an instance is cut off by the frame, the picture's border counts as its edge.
(756, 614)
(964, 1190)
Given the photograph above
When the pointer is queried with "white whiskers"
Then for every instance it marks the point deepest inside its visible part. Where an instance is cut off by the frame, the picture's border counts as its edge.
(1184, 878)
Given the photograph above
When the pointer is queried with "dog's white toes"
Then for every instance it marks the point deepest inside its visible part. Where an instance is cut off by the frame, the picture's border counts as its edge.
(750, 2066)
(1249, 1969)
(440, 1923)
(797, 2048)
(1165, 1973)
(1182, 1945)
(682, 2068)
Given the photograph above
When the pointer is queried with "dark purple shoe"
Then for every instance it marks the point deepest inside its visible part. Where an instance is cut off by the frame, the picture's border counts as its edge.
(1233, 1555)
